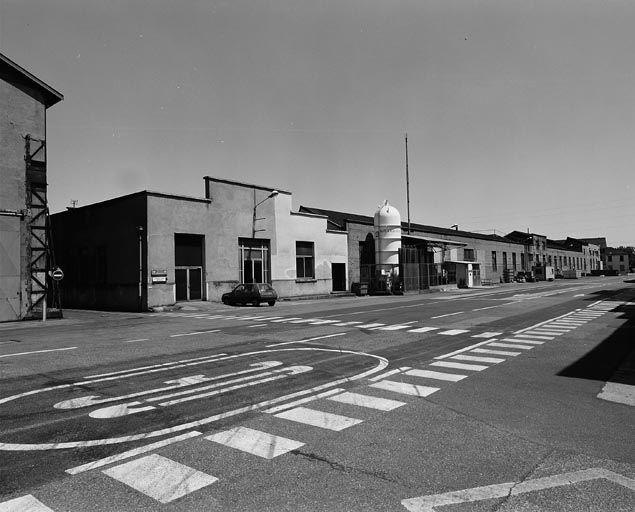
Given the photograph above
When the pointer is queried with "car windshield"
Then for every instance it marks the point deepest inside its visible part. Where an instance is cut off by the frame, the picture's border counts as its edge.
(264, 287)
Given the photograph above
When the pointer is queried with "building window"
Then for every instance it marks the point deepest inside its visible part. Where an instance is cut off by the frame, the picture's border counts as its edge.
(304, 260)
(254, 263)
(494, 265)
(621, 257)
(504, 260)
(514, 261)
(522, 261)
(468, 254)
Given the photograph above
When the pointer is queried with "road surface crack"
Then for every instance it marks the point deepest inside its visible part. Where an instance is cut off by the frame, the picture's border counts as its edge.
(337, 466)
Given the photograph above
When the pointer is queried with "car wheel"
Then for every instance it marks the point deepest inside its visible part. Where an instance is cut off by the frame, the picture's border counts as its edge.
(271, 302)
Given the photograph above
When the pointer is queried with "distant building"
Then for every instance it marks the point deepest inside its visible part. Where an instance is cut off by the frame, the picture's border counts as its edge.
(617, 260)
(24, 254)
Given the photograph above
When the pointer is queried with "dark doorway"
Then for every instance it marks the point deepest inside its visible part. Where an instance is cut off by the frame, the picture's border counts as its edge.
(189, 267)
(338, 271)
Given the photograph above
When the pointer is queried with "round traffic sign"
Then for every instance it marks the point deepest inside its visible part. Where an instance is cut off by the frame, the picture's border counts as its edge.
(57, 274)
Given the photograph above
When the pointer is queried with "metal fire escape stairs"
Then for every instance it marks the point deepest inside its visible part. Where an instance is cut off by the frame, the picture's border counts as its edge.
(42, 292)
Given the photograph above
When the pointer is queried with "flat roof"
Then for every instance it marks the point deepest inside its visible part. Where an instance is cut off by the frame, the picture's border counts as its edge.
(29, 83)
(246, 185)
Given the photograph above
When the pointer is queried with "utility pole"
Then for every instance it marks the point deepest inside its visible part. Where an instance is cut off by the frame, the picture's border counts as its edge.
(407, 184)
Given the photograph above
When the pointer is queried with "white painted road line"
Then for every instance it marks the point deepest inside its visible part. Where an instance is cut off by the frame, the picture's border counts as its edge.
(544, 332)
(295, 403)
(510, 345)
(140, 339)
(460, 366)
(321, 322)
(162, 365)
(453, 332)
(448, 314)
(389, 373)
(534, 336)
(307, 340)
(371, 402)
(342, 324)
(28, 503)
(487, 335)
(488, 307)
(465, 349)
(424, 329)
(256, 442)
(132, 453)
(160, 478)
(193, 333)
(38, 352)
(286, 319)
(495, 352)
(395, 327)
(255, 325)
(319, 419)
(617, 392)
(541, 323)
(523, 340)
(478, 359)
(369, 326)
(404, 388)
(429, 374)
(431, 502)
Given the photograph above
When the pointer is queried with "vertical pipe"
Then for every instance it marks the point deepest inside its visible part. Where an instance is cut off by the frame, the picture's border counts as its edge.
(407, 184)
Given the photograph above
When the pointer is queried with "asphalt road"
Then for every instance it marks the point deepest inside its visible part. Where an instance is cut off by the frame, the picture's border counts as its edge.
(511, 398)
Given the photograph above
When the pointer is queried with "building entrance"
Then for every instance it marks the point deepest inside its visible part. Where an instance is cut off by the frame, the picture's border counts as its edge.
(189, 267)
(338, 271)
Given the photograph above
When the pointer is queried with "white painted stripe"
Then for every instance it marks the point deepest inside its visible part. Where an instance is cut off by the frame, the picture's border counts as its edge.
(38, 352)
(404, 388)
(544, 332)
(321, 322)
(162, 365)
(194, 333)
(28, 503)
(579, 295)
(371, 402)
(369, 326)
(534, 336)
(460, 366)
(542, 323)
(389, 373)
(510, 345)
(448, 314)
(160, 478)
(342, 324)
(320, 419)
(424, 329)
(307, 340)
(291, 405)
(559, 328)
(140, 339)
(488, 307)
(304, 321)
(429, 374)
(287, 319)
(132, 453)
(395, 327)
(617, 392)
(523, 340)
(478, 359)
(495, 352)
(256, 325)
(453, 332)
(433, 502)
(487, 335)
(465, 349)
(256, 442)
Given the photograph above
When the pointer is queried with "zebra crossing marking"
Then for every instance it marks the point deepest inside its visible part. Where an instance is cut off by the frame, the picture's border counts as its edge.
(429, 374)
(460, 366)
(319, 419)
(160, 478)
(523, 340)
(370, 326)
(510, 345)
(424, 329)
(478, 359)
(28, 503)
(534, 336)
(258, 443)
(404, 388)
(496, 352)
(487, 335)
(291, 405)
(453, 332)
(371, 402)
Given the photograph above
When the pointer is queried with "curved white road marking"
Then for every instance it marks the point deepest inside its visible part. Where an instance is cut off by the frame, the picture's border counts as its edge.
(381, 365)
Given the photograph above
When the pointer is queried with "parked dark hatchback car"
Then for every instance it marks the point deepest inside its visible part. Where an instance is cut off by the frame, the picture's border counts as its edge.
(255, 293)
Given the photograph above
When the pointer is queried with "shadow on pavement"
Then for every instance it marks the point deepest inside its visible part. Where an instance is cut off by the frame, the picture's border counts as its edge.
(614, 358)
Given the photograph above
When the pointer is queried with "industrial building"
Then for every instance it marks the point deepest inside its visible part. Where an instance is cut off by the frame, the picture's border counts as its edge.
(150, 249)
(25, 255)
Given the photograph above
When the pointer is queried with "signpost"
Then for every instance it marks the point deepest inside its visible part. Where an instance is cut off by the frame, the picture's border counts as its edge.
(56, 274)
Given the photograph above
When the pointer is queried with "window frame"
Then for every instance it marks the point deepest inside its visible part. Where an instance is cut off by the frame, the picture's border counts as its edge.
(305, 263)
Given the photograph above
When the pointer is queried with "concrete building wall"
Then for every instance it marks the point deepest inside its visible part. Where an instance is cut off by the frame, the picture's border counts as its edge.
(20, 115)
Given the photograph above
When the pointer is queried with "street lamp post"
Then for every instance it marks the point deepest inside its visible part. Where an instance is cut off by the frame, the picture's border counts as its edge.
(274, 193)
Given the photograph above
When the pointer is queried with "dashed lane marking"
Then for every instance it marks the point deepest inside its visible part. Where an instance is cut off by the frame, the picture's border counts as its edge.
(255, 442)
(160, 478)
(448, 314)
(28, 503)
(193, 333)
(371, 402)
(453, 332)
(38, 352)
(319, 419)
(487, 335)
(424, 329)
(404, 388)
(140, 339)
(370, 326)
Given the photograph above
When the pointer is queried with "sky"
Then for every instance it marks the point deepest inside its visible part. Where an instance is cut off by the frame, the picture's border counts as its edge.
(519, 114)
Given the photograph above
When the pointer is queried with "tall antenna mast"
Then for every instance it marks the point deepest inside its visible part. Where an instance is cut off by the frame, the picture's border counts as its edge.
(407, 184)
